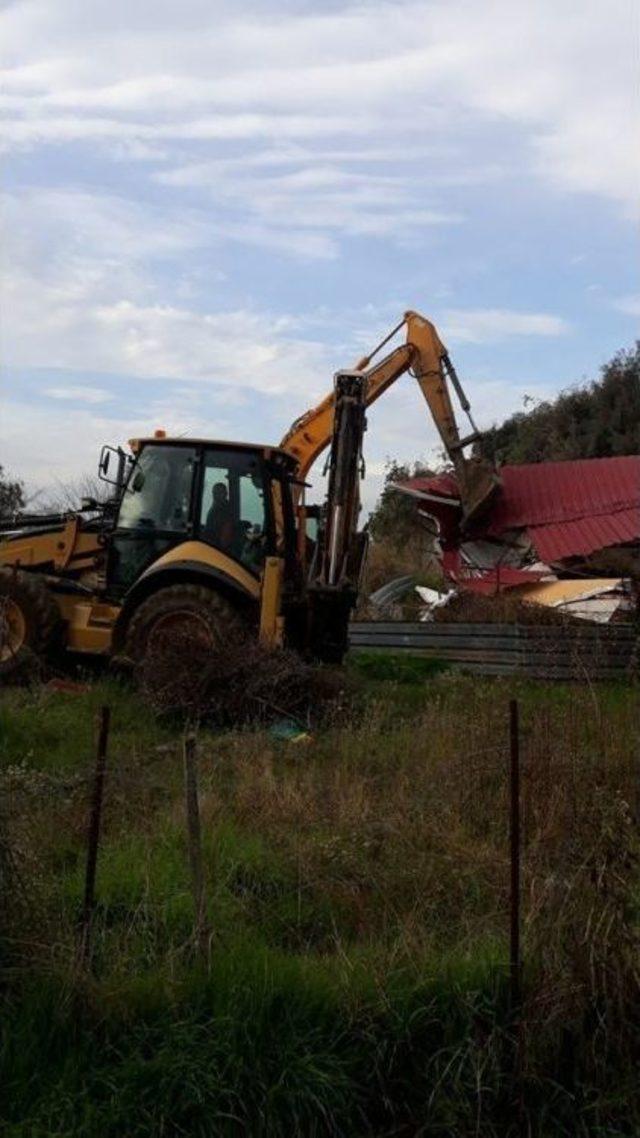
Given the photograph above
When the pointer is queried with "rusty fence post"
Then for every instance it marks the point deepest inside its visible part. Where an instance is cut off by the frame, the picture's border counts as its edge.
(195, 841)
(93, 833)
(514, 853)
(515, 958)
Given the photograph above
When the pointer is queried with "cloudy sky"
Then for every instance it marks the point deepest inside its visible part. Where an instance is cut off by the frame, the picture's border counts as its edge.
(209, 207)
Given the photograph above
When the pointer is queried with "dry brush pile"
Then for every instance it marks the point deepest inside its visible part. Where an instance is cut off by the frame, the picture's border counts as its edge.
(239, 683)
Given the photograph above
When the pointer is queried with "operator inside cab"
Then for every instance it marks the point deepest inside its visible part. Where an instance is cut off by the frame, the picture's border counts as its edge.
(219, 523)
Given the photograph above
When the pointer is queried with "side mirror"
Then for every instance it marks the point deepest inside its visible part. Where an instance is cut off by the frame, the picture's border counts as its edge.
(104, 463)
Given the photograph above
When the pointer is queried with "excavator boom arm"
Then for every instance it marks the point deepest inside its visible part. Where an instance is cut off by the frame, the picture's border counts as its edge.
(311, 433)
(425, 356)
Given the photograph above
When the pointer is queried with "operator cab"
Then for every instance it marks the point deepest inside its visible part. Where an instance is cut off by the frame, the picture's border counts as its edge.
(233, 497)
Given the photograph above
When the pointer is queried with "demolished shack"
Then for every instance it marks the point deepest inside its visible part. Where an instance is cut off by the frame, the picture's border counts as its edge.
(572, 521)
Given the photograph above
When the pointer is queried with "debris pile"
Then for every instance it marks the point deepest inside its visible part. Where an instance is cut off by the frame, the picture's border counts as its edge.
(522, 607)
(547, 529)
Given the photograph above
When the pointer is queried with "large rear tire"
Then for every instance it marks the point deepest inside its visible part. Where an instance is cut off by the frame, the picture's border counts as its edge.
(177, 639)
(186, 612)
(29, 620)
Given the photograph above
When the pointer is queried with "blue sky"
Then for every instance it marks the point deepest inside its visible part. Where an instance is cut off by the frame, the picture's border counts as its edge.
(211, 207)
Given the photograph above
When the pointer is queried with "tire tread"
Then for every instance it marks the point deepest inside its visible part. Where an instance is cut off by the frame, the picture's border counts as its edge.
(42, 612)
(162, 601)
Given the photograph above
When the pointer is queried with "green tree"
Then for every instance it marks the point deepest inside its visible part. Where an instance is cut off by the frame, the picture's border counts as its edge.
(595, 420)
(394, 518)
(11, 495)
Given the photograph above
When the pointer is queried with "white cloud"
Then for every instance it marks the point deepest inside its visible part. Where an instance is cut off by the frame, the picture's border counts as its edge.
(237, 347)
(81, 292)
(486, 325)
(393, 76)
(77, 393)
(26, 432)
(84, 294)
(293, 131)
(630, 305)
(319, 198)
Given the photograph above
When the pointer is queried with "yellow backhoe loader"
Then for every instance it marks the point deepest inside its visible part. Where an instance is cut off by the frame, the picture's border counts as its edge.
(214, 539)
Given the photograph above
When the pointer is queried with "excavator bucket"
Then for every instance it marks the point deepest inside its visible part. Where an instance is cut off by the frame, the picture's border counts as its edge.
(480, 485)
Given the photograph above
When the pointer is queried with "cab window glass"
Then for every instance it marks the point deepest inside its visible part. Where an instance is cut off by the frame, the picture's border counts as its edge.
(158, 493)
(154, 512)
(251, 501)
(233, 514)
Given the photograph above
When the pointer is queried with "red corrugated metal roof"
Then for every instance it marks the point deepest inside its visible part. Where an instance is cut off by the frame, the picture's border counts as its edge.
(444, 484)
(568, 508)
(585, 535)
(538, 493)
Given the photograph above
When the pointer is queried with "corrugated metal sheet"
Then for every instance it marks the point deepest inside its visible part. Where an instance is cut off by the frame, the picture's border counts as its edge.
(539, 493)
(568, 508)
(562, 592)
(572, 652)
(444, 484)
(585, 535)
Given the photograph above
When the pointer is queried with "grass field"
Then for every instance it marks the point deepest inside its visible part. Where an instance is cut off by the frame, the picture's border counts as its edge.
(356, 979)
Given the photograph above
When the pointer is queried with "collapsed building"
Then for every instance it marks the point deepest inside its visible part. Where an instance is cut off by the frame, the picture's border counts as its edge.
(565, 534)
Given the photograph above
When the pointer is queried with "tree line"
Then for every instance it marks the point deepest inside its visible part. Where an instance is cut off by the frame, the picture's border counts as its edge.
(599, 419)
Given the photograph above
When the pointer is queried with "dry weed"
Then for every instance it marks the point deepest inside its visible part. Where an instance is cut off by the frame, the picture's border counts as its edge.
(238, 683)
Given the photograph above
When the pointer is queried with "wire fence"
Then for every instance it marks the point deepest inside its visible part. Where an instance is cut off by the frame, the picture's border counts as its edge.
(521, 812)
(523, 792)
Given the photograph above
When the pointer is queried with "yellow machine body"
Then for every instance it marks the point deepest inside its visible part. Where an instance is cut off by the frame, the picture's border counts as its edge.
(90, 624)
(69, 573)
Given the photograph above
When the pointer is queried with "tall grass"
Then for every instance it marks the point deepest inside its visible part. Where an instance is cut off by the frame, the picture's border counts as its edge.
(357, 886)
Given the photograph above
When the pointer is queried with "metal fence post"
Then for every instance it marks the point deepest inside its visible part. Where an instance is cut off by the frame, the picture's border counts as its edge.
(195, 841)
(514, 849)
(93, 833)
